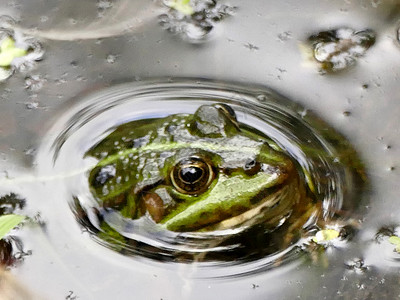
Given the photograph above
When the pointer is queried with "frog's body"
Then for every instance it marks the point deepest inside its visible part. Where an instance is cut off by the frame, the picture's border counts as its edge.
(198, 171)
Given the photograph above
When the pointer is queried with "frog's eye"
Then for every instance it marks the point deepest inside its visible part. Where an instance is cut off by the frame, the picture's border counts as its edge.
(192, 176)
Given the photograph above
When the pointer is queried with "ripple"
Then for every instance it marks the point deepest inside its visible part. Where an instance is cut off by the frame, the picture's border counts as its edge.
(326, 163)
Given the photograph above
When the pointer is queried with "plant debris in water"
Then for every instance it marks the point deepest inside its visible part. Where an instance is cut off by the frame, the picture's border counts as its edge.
(395, 240)
(8, 51)
(339, 49)
(183, 6)
(17, 51)
(11, 247)
(325, 235)
(8, 222)
(193, 19)
(11, 202)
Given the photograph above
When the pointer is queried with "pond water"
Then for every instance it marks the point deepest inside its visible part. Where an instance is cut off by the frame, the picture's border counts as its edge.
(337, 60)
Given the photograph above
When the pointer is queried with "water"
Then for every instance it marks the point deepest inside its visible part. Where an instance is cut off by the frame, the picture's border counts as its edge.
(260, 44)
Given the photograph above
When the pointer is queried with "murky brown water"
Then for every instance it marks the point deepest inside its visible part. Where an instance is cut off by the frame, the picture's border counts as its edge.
(94, 45)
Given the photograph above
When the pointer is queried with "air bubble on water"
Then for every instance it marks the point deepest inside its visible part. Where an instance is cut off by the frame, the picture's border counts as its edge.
(81, 78)
(103, 6)
(284, 36)
(346, 113)
(44, 19)
(194, 32)
(32, 104)
(34, 83)
(193, 20)
(111, 58)
(251, 46)
(357, 265)
(375, 3)
(339, 49)
(30, 152)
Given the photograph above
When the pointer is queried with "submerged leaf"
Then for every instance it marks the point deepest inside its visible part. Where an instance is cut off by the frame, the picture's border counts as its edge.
(8, 222)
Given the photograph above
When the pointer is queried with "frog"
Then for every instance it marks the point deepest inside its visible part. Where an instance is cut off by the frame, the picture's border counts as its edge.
(197, 172)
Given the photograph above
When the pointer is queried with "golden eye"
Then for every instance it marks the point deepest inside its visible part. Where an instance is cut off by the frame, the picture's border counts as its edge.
(192, 176)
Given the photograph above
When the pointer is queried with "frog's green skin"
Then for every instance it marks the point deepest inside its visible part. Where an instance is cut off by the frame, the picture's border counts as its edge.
(251, 180)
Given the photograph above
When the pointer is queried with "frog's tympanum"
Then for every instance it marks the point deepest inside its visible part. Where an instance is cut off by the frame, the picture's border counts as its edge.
(196, 172)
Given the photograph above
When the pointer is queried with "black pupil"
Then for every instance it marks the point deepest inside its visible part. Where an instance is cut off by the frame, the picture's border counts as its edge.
(191, 174)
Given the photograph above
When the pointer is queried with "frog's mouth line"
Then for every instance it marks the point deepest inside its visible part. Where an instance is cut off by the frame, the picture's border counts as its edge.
(270, 211)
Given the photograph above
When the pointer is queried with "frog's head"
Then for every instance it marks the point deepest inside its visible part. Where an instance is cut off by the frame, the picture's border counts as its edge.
(197, 172)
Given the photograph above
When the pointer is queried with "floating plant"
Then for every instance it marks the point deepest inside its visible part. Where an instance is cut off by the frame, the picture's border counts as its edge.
(17, 51)
(11, 248)
(395, 240)
(325, 235)
(193, 19)
(8, 222)
(340, 48)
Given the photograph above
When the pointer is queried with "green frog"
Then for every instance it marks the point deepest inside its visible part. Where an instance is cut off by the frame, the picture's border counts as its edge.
(197, 172)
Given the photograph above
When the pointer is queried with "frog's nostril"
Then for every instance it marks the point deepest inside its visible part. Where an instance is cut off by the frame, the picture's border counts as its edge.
(251, 166)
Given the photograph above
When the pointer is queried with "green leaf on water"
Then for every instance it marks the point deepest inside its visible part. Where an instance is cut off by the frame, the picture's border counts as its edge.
(8, 222)
(182, 6)
(395, 240)
(325, 235)
(8, 52)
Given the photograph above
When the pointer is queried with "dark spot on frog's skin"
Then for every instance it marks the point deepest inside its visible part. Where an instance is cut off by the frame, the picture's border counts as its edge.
(117, 202)
(103, 175)
(171, 128)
